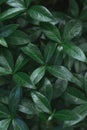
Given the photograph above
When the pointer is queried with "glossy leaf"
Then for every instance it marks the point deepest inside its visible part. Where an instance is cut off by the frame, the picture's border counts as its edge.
(7, 30)
(40, 13)
(22, 79)
(4, 71)
(33, 51)
(47, 89)
(82, 113)
(74, 51)
(37, 74)
(51, 31)
(14, 99)
(4, 124)
(19, 124)
(20, 62)
(66, 115)
(74, 96)
(10, 13)
(18, 38)
(60, 72)
(16, 3)
(3, 42)
(27, 107)
(6, 60)
(60, 87)
(41, 102)
(72, 29)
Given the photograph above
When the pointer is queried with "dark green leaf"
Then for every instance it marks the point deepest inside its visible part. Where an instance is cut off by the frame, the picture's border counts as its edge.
(6, 60)
(37, 74)
(66, 115)
(72, 29)
(74, 96)
(14, 99)
(22, 79)
(51, 31)
(18, 38)
(4, 71)
(27, 2)
(60, 72)
(41, 102)
(4, 124)
(10, 13)
(19, 124)
(3, 42)
(74, 51)
(27, 107)
(59, 88)
(47, 89)
(82, 113)
(33, 51)
(40, 13)
(20, 62)
(7, 30)
(49, 51)
(4, 113)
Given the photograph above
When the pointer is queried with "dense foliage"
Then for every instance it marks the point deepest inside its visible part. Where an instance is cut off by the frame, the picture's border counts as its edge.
(43, 64)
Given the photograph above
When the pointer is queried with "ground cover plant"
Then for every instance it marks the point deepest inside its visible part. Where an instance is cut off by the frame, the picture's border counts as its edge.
(43, 65)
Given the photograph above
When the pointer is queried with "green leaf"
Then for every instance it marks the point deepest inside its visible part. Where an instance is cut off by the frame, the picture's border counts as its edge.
(51, 31)
(82, 113)
(33, 51)
(10, 13)
(47, 89)
(4, 71)
(34, 33)
(16, 3)
(72, 29)
(66, 115)
(18, 38)
(4, 113)
(14, 99)
(4, 124)
(3, 42)
(40, 13)
(60, 72)
(74, 51)
(73, 8)
(27, 107)
(59, 88)
(49, 51)
(19, 124)
(7, 30)
(6, 60)
(38, 74)
(22, 79)
(20, 62)
(74, 96)
(41, 102)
